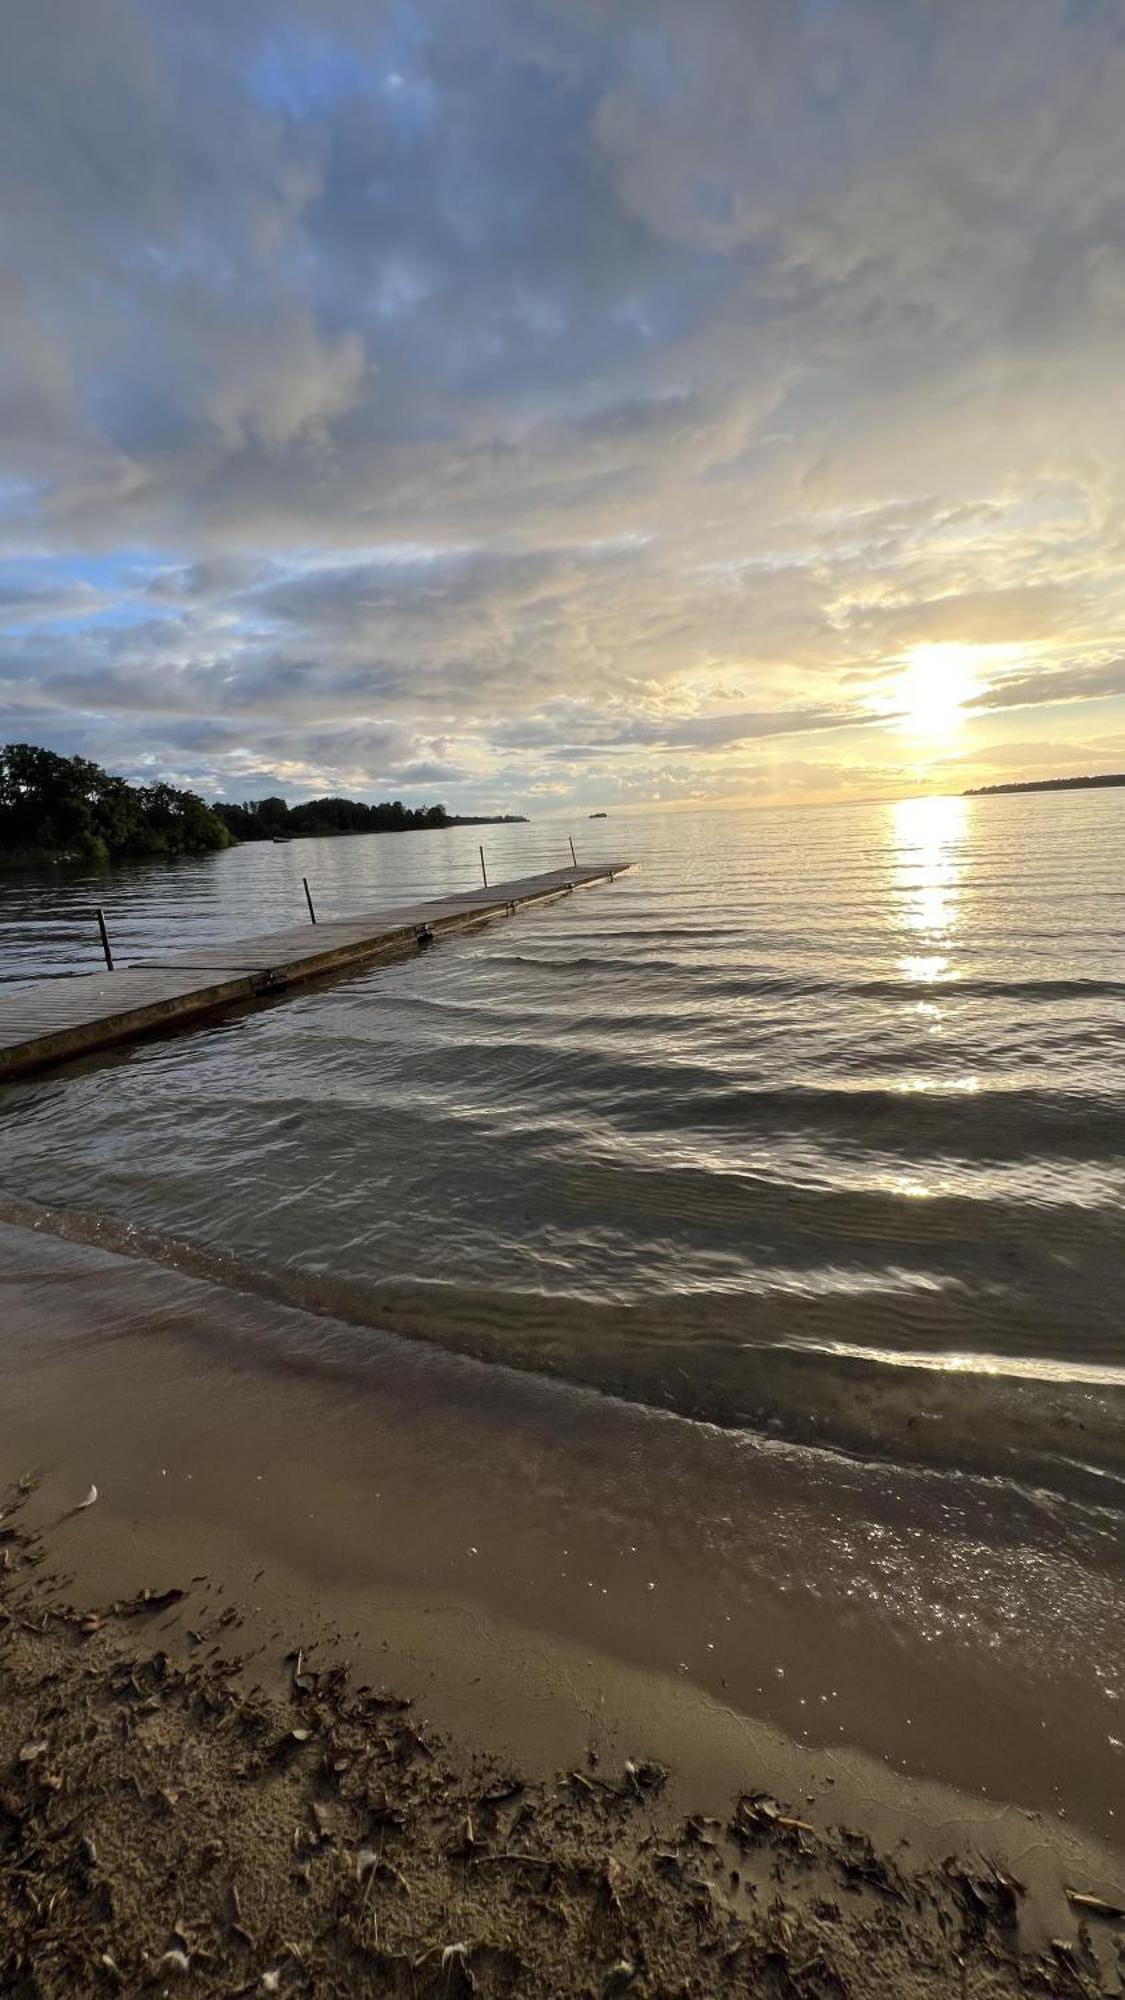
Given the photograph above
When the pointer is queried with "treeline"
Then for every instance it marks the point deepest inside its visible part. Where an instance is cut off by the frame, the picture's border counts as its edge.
(1049, 785)
(68, 809)
(272, 819)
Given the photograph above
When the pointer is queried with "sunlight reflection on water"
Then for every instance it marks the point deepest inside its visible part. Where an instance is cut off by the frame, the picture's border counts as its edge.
(856, 1069)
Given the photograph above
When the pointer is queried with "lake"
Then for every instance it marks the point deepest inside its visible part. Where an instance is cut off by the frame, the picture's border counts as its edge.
(815, 1119)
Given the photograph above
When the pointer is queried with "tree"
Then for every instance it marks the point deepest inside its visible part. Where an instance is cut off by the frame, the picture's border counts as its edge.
(66, 808)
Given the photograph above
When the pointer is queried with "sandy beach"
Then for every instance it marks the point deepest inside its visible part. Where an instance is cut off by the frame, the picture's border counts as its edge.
(168, 1827)
(732, 1775)
(562, 1445)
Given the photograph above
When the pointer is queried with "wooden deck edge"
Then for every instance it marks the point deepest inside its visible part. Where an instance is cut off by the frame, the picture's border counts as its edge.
(250, 982)
(109, 1031)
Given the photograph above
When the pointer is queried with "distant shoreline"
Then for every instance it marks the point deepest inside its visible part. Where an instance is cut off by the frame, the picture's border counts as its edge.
(1047, 785)
(13, 859)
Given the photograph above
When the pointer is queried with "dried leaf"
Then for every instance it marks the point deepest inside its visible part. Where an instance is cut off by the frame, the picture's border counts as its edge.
(1096, 1905)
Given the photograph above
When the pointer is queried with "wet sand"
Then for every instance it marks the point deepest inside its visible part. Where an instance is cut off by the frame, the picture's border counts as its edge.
(553, 1576)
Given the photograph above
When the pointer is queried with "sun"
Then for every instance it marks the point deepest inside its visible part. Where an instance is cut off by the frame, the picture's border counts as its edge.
(937, 681)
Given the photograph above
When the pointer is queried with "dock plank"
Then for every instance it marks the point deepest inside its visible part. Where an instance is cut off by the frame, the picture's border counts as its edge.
(47, 1021)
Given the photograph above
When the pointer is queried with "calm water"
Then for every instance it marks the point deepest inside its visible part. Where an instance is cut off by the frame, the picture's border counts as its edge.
(809, 1096)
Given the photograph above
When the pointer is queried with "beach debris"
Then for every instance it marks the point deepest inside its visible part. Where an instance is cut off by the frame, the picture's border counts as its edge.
(88, 1501)
(644, 1774)
(758, 1813)
(30, 1752)
(148, 1600)
(611, 1884)
(499, 1794)
(372, 1867)
(270, 1982)
(1095, 1906)
(381, 1812)
(619, 1977)
(455, 1966)
(668, 1865)
(291, 1742)
(466, 1844)
(992, 1892)
(175, 1961)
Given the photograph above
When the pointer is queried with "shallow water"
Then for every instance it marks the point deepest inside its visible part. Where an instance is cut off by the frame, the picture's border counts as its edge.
(808, 1097)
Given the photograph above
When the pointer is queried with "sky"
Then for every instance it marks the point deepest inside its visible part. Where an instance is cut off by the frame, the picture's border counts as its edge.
(539, 403)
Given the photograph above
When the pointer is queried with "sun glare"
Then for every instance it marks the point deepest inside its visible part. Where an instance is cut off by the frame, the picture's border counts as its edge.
(937, 681)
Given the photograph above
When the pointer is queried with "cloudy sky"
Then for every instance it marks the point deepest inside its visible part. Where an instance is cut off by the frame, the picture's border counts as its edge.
(519, 402)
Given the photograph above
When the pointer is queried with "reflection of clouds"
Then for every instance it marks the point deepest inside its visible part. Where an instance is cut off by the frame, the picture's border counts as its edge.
(927, 838)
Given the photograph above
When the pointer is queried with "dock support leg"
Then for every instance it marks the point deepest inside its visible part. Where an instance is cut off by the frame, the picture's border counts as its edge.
(105, 939)
(308, 899)
(573, 855)
(483, 870)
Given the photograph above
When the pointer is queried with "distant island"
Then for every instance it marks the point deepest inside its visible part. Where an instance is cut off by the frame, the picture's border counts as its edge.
(273, 819)
(1047, 785)
(61, 809)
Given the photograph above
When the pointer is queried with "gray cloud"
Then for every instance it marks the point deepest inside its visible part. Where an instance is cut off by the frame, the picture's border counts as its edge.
(1095, 682)
(553, 383)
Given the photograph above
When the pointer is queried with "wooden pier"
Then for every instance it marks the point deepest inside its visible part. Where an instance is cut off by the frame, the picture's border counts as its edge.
(50, 1021)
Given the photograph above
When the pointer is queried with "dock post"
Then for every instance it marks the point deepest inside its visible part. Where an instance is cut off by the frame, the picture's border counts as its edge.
(483, 869)
(105, 938)
(573, 855)
(308, 899)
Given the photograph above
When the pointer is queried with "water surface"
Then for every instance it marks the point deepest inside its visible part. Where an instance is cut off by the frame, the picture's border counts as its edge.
(813, 1123)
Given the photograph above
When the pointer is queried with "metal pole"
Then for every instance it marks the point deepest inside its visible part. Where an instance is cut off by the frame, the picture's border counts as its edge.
(573, 855)
(308, 899)
(105, 939)
(483, 869)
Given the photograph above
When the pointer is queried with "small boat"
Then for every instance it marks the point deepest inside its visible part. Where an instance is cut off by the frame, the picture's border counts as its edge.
(599, 815)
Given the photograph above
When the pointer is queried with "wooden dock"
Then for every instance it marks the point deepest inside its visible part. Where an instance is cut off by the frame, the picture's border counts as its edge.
(49, 1021)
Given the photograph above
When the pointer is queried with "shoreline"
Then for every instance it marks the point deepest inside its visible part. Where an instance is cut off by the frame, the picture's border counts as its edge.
(551, 1571)
(991, 1418)
(956, 1630)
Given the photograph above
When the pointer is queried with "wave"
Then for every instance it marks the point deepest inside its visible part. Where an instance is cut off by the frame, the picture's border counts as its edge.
(726, 985)
(1037, 1427)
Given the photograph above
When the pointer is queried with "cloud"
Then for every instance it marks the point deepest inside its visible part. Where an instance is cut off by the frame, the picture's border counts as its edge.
(606, 393)
(1095, 682)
